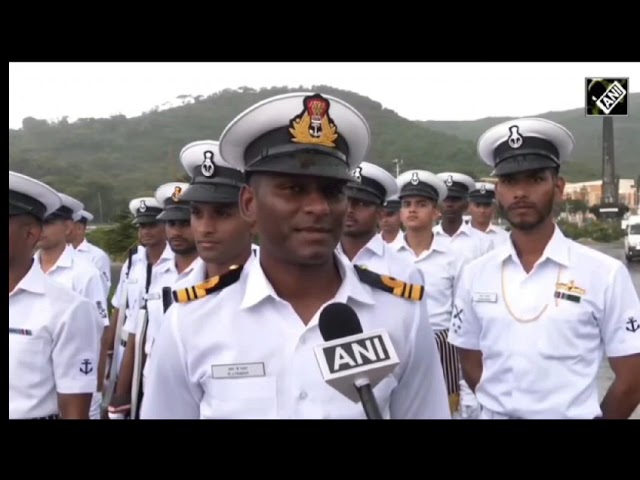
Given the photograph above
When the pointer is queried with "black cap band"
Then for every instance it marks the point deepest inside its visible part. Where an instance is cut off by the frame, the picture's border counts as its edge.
(393, 205)
(62, 213)
(535, 146)
(368, 185)
(420, 189)
(21, 204)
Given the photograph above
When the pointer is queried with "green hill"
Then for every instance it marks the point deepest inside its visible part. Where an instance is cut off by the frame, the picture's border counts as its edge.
(105, 162)
(587, 132)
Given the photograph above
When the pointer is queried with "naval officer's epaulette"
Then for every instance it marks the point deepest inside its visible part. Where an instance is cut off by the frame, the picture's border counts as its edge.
(389, 284)
(212, 285)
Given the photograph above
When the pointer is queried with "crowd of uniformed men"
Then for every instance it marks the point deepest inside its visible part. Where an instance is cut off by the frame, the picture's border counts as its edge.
(497, 325)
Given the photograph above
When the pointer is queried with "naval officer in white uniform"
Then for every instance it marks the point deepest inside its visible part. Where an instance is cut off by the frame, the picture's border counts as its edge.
(390, 223)
(53, 339)
(482, 208)
(420, 194)
(297, 151)
(60, 262)
(366, 195)
(535, 316)
(222, 236)
(84, 248)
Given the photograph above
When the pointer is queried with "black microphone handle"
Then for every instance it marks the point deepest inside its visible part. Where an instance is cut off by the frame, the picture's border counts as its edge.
(369, 402)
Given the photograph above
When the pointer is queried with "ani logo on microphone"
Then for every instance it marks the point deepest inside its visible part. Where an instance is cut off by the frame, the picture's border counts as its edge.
(356, 354)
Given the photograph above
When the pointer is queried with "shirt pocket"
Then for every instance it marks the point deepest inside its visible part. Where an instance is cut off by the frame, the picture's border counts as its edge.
(240, 398)
(27, 362)
(568, 331)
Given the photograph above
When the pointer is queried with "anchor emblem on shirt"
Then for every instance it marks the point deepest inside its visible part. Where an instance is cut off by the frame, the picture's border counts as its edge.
(86, 367)
(633, 325)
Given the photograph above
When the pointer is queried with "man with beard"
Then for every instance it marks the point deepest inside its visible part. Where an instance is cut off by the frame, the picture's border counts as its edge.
(53, 339)
(420, 194)
(535, 316)
(95, 255)
(254, 340)
(152, 268)
(390, 223)
(60, 262)
(482, 208)
(366, 195)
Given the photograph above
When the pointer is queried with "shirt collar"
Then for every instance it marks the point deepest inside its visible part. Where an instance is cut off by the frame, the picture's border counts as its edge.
(557, 249)
(84, 246)
(376, 245)
(33, 281)
(258, 286)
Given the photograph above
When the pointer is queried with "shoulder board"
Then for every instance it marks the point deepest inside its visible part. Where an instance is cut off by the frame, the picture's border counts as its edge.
(212, 285)
(389, 284)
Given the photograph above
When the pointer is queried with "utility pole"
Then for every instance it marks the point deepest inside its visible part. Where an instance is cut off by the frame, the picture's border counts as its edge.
(398, 162)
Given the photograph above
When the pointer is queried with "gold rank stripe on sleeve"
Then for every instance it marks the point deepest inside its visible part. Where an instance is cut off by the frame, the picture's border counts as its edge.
(212, 285)
(389, 284)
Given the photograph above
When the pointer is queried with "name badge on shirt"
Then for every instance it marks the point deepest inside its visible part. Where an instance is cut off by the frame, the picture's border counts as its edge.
(152, 296)
(238, 370)
(481, 297)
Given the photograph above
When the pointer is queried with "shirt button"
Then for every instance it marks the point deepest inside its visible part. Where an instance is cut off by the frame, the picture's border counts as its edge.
(302, 395)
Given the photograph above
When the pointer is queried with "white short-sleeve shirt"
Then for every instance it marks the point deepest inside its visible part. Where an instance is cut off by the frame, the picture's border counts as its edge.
(247, 323)
(543, 335)
(52, 347)
(467, 243)
(100, 259)
(81, 276)
(440, 269)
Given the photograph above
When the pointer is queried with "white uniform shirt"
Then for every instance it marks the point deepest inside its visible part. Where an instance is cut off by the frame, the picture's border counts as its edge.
(378, 256)
(248, 323)
(81, 276)
(52, 347)
(163, 274)
(440, 269)
(467, 243)
(544, 368)
(127, 283)
(100, 259)
(498, 235)
(396, 241)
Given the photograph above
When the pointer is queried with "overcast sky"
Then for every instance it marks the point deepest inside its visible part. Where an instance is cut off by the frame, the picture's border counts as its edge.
(417, 91)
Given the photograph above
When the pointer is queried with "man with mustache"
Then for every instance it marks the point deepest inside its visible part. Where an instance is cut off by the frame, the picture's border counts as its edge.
(53, 339)
(222, 236)
(537, 313)
(420, 193)
(390, 224)
(247, 348)
(366, 195)
(482, 208)
(182, 258)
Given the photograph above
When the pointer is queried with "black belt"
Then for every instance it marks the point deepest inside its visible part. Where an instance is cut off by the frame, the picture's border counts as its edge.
(53, 416)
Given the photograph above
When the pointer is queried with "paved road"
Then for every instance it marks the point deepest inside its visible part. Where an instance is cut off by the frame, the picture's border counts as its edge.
(614, 250)
(605, 376)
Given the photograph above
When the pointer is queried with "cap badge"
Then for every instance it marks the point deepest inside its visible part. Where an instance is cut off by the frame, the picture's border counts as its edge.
(357, 174)
(449, 181)
(313, 125)
(414, 178)
(515, 139)
(208, 167)
(177, 191)
(483, 189)
(143, 206)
